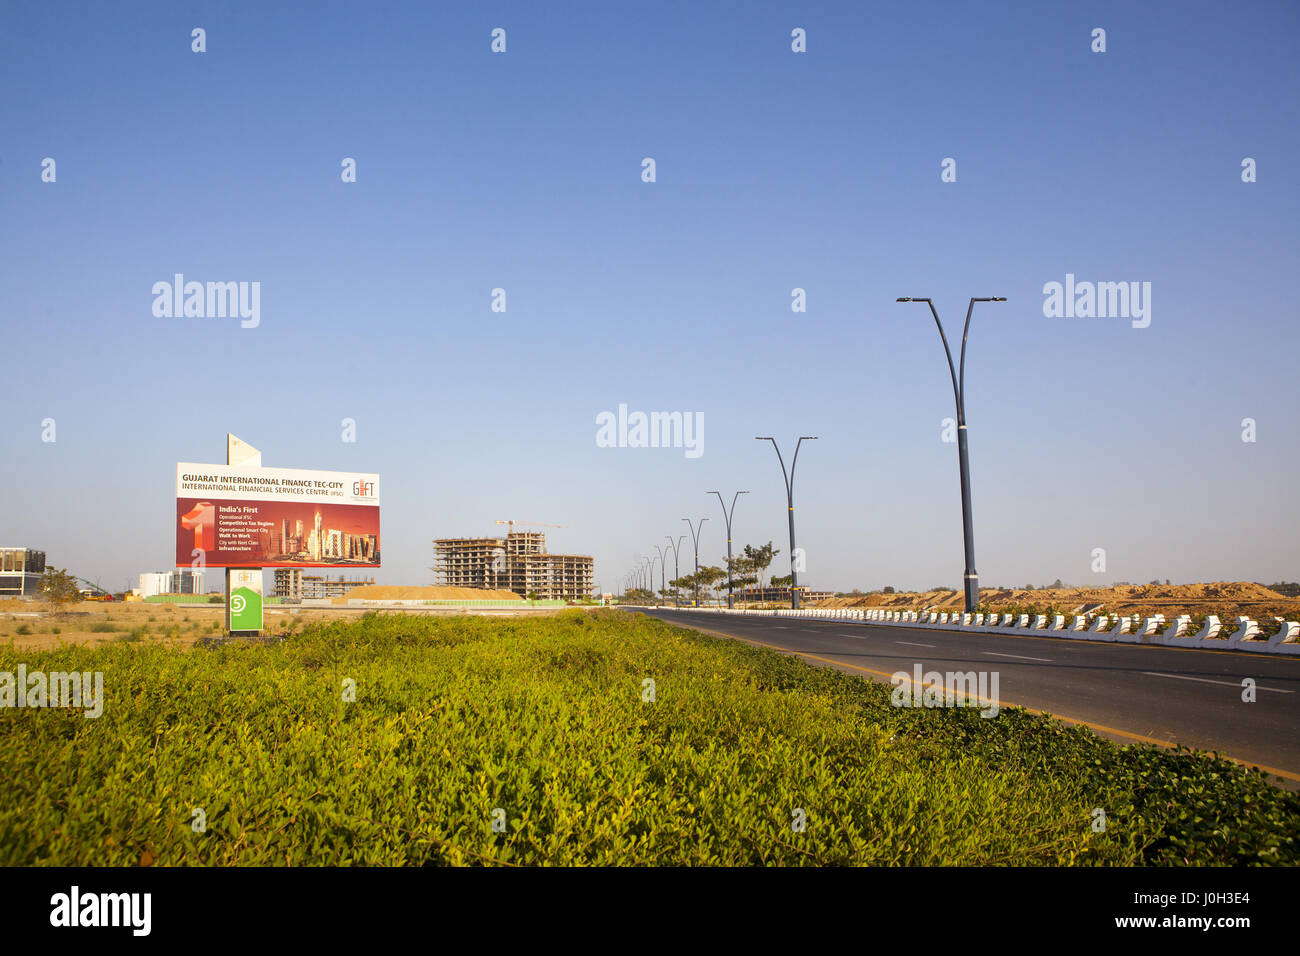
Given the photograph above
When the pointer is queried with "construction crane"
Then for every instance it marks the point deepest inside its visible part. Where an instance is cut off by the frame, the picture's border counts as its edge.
(99, 593)
(530, 524)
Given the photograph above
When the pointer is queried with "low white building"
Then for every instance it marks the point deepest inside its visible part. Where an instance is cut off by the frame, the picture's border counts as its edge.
(180, 581)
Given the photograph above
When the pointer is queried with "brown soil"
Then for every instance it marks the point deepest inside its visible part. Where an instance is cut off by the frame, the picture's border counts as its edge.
(394, 592)
(1227, 599)
(180, 625)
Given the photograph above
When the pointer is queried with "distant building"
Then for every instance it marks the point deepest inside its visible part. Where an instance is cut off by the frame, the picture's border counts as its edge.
(179, 581)
(519, 562)
(764, 595)
(293, 584)
(20, 572)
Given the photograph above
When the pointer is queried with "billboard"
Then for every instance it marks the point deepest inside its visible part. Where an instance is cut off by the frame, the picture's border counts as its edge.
(237, 516)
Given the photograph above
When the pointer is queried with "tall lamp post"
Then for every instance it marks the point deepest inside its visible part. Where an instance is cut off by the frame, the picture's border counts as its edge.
(789, 501)
(663, 570)
(677, 565)
(731, 599)
(695, 539)
(650, 578)
(971, 579)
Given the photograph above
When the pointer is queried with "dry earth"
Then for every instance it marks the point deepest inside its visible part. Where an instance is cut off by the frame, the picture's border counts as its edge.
(94, 622)
(1227, 599)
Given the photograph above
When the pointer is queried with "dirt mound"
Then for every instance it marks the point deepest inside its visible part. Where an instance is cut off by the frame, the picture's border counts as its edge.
(397, 592)
(1230, 598)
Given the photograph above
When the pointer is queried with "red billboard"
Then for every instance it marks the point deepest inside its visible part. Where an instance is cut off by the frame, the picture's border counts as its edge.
(240, 517)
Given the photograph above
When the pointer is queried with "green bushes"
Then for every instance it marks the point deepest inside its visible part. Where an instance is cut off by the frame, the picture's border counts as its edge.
(545, 719)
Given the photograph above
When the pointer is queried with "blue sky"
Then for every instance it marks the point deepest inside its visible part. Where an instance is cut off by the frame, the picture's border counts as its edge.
(775, 170)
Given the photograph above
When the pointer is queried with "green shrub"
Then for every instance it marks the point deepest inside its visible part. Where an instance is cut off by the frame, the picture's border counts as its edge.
(544, 718)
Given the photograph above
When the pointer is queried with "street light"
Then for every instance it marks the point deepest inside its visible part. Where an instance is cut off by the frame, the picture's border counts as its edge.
(663, 571)
(731, 600)
(789, 501)
(971, 579)
(695, 538)
(677, 565)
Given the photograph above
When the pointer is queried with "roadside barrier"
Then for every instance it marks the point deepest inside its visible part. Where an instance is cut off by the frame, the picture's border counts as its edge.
(1248, 635)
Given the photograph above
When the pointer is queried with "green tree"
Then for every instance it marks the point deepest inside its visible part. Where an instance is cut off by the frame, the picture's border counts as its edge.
(59, 587)
(759, 559)
(709, 578)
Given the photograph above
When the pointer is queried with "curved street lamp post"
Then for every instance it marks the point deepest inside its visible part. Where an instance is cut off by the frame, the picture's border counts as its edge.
(695, 539)
(731, 599)
(789, 501)
(971, 577)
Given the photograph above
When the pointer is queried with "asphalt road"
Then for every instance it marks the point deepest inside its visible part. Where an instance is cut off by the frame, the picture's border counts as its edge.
(1128, 692)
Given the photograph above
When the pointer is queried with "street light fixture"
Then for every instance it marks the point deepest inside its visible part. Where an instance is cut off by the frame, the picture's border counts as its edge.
(663, 571)
(789, 501)
(971, 578)
(677, 566)
(695, 538)
(731, 599)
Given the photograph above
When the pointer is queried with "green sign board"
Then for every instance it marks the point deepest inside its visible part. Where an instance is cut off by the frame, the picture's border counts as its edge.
(244, 600)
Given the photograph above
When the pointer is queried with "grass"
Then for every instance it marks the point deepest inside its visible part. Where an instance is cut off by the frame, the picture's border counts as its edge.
(543, 718)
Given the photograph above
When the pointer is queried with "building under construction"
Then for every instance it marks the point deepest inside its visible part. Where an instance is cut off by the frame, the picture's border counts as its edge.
(519, 562)
(292, 583)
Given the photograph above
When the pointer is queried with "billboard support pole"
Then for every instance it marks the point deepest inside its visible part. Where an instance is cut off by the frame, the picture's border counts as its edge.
(239, 610)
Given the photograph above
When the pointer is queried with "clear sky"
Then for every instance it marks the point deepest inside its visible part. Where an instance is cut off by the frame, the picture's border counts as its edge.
(775, 170)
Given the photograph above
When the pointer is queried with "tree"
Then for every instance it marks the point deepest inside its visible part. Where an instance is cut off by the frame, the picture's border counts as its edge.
(709, 577)
(759, 559)
(742, 572)
(784, 581)
(1057, 583)
(888, 589)
(59, 587)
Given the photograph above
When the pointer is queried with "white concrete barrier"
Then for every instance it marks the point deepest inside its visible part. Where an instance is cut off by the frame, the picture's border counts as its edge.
(1177, 629)
(1287, 638)
(1211, 629)
(1146, 632)
(1153, 630)
(1246, 630)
